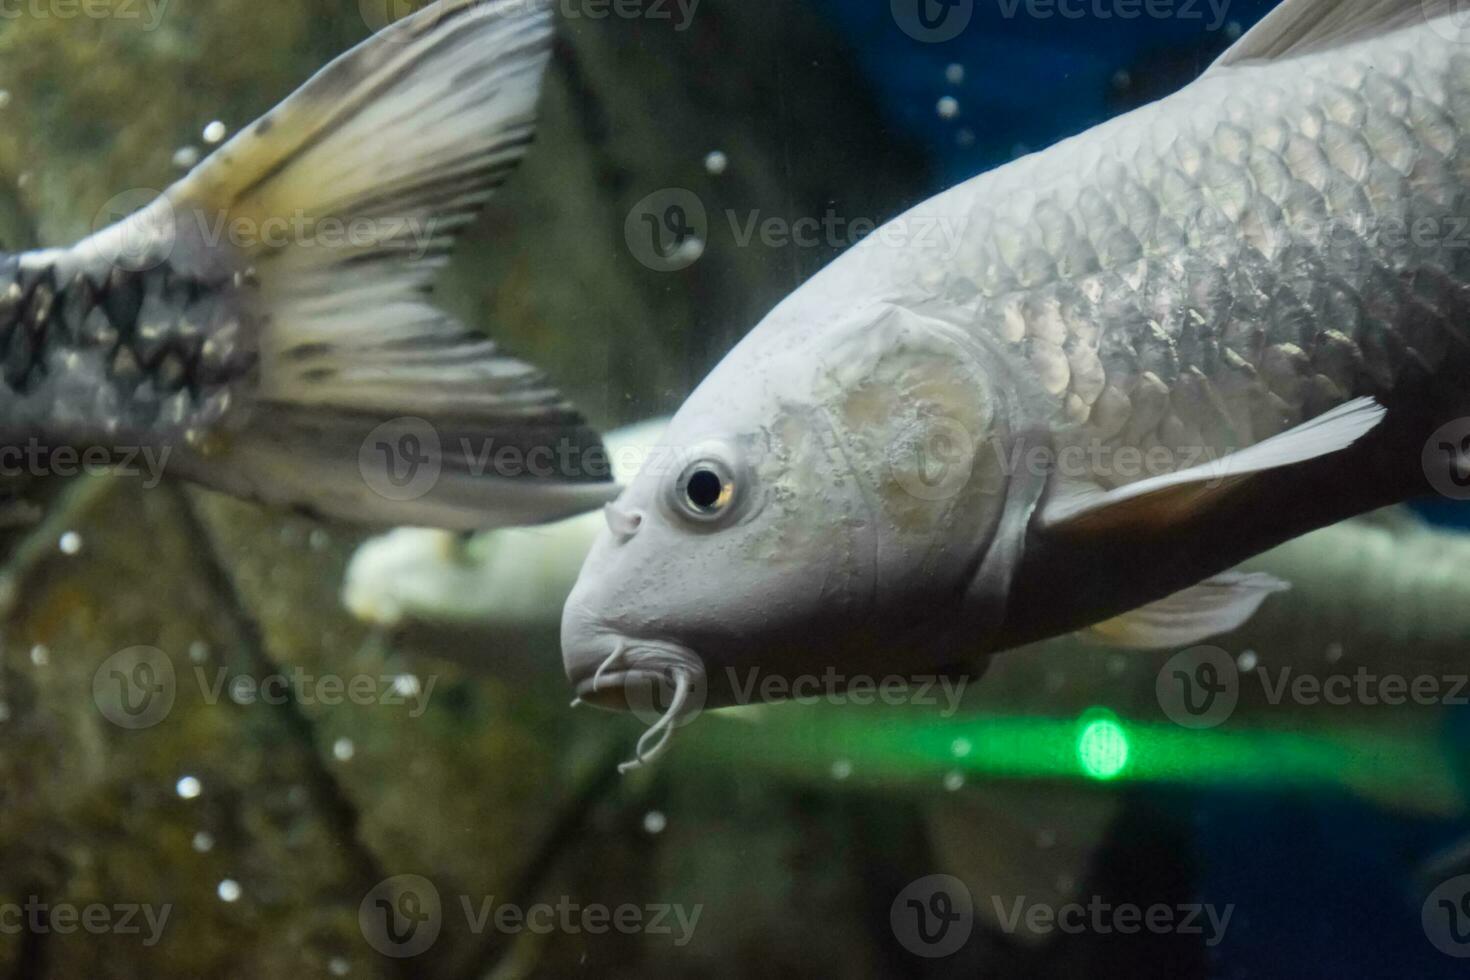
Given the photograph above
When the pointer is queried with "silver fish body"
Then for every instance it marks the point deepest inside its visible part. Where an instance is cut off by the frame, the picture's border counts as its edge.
(121, 356)
(963, 435)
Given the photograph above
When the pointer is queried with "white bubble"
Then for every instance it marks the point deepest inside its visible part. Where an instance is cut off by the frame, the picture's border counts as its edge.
(198, 651)
(4, 99)
(841, 769)
(716, 163)
(689, 250)
(1334, 652)
(343, 750)
(318, 539)
(215, 132)
(338, 966)
(203, 842)
(948, 107)
(654, 822)
(188, 787)
(954, 74)
(406, 685)
(70, 543)
(953, 781)
(1247, 661)
(40, 656)
(228, 890)
(185, 157)
(961, 747)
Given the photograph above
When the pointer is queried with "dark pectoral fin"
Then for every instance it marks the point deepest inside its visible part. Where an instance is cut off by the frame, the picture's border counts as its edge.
(1179, 499)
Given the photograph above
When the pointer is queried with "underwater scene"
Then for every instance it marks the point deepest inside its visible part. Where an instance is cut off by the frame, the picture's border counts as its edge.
(734, 488)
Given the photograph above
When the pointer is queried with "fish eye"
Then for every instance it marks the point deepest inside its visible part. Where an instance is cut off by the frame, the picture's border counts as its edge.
(705, 490)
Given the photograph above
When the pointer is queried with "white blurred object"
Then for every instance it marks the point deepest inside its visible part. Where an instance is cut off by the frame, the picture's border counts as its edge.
(517, 577)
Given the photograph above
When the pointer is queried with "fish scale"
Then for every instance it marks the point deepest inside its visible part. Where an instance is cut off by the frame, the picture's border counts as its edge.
(156, 351)
(1237, 245)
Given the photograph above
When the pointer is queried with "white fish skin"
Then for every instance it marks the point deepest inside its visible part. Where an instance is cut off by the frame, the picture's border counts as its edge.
(1210, 273)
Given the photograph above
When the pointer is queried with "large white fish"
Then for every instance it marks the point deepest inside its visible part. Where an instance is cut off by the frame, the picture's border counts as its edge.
(266, 320)
(1157, 349)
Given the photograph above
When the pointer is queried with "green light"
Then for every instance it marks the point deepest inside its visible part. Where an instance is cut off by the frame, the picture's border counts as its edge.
(1102, 748)
(888, 748)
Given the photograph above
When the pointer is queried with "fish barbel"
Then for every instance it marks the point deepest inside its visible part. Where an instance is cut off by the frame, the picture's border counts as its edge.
(1072, 392)
(265, 320)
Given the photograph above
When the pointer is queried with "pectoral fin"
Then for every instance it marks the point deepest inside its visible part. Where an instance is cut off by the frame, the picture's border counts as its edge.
(1213, 607)
(1175, 499)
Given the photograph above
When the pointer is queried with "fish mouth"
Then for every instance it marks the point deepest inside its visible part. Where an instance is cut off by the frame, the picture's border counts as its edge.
(660, 682)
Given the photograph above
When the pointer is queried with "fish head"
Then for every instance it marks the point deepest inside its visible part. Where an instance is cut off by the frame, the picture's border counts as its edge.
(812, 502)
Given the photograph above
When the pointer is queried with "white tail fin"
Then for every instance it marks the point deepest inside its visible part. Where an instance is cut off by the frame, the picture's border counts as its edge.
(323, 224)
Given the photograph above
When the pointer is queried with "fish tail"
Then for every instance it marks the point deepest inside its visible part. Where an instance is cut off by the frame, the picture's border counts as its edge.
(297, 260)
